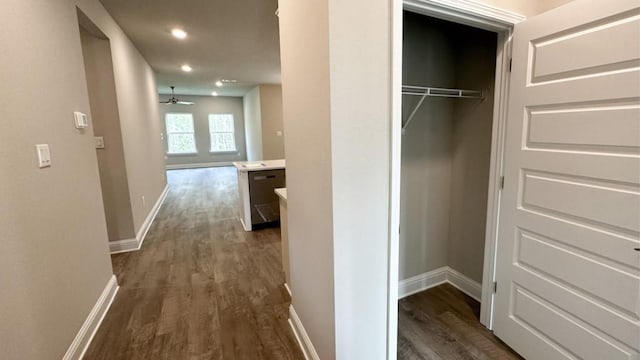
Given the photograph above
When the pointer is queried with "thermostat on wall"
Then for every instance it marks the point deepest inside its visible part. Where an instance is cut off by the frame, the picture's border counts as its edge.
(81, 120)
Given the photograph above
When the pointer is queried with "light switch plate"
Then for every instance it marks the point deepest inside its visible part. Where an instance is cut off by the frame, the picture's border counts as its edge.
(44, 155)
(81, 120)
(278, 133)
(99, 142)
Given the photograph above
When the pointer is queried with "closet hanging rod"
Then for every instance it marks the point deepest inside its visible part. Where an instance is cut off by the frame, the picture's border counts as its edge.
(424, 91)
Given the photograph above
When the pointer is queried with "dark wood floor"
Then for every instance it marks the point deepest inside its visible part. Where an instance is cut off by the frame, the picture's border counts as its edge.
(203, 288)
(442, 323)
(200, 287)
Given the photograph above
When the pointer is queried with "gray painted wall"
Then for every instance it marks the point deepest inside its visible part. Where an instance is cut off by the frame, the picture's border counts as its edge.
(446, 148)
(106, 123)
(205, 105)
(337, 148)
(263, 121)
(428, 60)
(53, 235)
(272, 122)
(253, 124)
(471, 153)
(308, 147)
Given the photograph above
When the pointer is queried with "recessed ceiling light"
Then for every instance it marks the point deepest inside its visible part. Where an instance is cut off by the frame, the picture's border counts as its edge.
(179, 33)
(218, 83)
(215, 93)
(186, 68)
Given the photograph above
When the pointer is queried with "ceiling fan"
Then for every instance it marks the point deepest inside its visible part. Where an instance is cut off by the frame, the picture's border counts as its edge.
(173, 100)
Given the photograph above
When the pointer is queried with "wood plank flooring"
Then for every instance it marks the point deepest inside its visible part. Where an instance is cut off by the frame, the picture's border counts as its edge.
(442, 323)
(200, 287)
(203, 288)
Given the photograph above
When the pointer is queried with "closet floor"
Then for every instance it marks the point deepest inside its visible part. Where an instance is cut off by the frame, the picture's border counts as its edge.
(442, 323)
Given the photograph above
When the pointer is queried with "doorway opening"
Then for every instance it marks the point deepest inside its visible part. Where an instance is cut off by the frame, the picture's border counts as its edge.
(105, 121)
(448, 141)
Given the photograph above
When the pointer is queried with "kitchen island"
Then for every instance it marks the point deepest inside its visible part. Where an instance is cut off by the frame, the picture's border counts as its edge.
(257, 181)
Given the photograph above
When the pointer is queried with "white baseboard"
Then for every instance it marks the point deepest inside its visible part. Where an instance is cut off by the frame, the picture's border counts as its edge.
(465, 284)
(422, 282)
(198, 165)
(286, 286)
(127, 245)
(120, 246)
(301, 335)
(436, 277)
(91, 324)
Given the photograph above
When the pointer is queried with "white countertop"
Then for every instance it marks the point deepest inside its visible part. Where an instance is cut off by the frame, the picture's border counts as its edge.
(282, 193)
(259, 165)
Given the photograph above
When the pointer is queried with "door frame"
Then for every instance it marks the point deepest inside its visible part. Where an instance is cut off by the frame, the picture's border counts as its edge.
(481, 16)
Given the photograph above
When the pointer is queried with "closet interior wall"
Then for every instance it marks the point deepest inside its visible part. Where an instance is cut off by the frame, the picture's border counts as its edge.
(446, 148)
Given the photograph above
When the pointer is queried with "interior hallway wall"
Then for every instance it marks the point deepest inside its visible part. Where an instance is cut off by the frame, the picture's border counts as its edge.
(309, 177)
(253, 124)
(264, 125)
(106, 123)
(137, 99)
(337, 141)
(54, 253)
(272, 122)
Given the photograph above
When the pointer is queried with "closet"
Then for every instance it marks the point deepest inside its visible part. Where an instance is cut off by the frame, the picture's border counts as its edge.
(543, 181)
(448, 78)
(447, 99)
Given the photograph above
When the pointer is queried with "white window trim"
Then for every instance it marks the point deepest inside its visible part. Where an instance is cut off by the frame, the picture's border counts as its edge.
(224, 151)
(182, 153)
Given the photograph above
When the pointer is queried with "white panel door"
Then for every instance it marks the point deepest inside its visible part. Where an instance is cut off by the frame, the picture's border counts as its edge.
(568, 271)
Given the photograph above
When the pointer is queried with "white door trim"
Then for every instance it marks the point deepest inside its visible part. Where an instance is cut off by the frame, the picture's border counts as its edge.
(468, 12)
(486, 17)
(393, 250)
(498, 141)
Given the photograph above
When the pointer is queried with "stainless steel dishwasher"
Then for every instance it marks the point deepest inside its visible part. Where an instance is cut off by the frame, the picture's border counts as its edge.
(265, 207)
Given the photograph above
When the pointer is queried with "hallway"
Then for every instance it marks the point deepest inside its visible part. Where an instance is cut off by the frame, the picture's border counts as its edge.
(200, 287)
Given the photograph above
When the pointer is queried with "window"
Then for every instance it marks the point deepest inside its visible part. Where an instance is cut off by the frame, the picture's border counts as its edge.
(221, 129)
(180, 134)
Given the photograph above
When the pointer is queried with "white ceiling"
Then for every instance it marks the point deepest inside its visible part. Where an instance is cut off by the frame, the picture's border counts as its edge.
(227, 39)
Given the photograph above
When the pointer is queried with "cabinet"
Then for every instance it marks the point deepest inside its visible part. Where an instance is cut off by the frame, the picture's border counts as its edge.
(256, 184)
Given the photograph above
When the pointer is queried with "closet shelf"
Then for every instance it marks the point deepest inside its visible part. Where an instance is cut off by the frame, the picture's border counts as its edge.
(424, 91)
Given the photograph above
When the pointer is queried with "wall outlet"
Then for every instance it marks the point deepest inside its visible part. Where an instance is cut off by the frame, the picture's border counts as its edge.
(278, 133)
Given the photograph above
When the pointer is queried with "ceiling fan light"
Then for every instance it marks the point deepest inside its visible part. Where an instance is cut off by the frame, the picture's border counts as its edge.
(186, 68)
